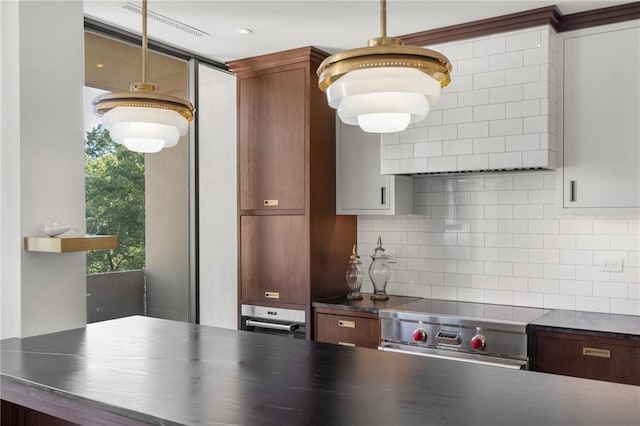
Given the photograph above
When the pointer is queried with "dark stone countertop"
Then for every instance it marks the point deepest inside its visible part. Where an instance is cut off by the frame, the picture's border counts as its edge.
(171, 373)
(595, 322)
(364, 305)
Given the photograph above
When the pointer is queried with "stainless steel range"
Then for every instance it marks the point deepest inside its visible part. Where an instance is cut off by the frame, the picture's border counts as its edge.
(472, 332)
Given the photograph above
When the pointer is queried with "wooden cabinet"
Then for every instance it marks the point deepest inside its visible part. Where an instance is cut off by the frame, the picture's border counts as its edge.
(600, 156)
(361, 188)
(273, 259)
(271, 140)
(582, 354)
(292, 247)
(348, 328)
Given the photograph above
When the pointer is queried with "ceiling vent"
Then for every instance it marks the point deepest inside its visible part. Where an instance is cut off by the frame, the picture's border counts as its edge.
(165, 21)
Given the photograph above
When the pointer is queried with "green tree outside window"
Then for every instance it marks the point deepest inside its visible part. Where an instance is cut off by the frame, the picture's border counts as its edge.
(114, 188)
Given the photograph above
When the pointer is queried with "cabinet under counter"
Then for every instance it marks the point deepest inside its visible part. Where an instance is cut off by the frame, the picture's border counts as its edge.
(590, 345)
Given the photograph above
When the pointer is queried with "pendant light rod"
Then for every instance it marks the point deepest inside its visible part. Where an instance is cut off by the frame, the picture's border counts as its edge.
(144, 41)
(383, 18)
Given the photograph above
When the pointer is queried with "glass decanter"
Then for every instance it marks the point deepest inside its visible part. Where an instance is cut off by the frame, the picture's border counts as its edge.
(379, 272)
(354, 276)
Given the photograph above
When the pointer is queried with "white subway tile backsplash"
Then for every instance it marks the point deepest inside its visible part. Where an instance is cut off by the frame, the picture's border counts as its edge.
(560, 241)
(443, 164)
(427, 149)
(528, 240)
(473, 97)
(513, 255)
(576, 226)
(576, 257)
(503, 61)
(505, 161)
(608, 289)
(394, 152)
(538, 285)
(458, 50)
(588, 272)
(472, 65)
(625, 306)
(498, 240)
(440, 133)
(532, 270)
(535, 90)
(593, 304)
(501, 95)
(457, 115)
(539, 124)
(444, 293)
(576, 288)
(473, 130)
(544, 226)
(523, 108)
(489, 45)
(523, 75)
(512, 197)
(593, 242)
(528, 211)
(498, 268)
(486, 145)
(489, 112)
(513, 225)
(471, 295)
(500, 297)
(536, 56)
(625, 242)
(562, 272)
(470, 267)
(505, 127)
(544, 256)
(534, 300)
(524, 40)
(483, 80)
(484, 281)
(457, 280)
(484, 197)
(512, 283)
(559, 301)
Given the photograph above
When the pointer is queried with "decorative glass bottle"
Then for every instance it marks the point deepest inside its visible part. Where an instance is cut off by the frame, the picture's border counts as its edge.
(379, 272)
(354, 276)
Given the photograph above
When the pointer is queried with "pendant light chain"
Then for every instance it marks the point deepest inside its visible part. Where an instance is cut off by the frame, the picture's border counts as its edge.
(383, 18)
(144, 41)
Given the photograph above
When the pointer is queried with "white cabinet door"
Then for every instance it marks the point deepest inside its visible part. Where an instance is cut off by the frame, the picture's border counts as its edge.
(361, 188)
(601, 118)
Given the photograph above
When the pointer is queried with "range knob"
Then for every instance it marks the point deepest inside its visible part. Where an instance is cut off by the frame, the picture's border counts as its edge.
(419, 335)
(477, 342)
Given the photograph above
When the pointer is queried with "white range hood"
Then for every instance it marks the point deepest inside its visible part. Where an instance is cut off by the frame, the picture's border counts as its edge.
(498, 113)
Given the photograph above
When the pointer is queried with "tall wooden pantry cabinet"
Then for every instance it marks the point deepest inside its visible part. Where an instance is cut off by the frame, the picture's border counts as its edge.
(293, 249)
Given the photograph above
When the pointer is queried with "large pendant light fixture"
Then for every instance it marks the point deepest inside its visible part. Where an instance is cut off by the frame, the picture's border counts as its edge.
(143, 119)
(385, 86)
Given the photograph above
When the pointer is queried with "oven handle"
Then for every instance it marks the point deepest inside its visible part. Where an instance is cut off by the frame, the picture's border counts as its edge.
(271, 325)
(514, 366)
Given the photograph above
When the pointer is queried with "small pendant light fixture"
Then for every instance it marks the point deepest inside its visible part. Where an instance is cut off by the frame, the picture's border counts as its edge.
(385, 86)
(143, 119)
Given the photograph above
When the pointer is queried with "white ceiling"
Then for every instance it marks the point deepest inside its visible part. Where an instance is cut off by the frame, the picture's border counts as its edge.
(332, 25)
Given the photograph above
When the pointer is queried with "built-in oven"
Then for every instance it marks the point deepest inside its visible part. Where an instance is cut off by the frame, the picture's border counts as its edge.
(284, 322)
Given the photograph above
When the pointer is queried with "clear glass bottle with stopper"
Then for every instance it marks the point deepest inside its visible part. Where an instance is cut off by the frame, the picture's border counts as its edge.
(354, 276)
(379, 272)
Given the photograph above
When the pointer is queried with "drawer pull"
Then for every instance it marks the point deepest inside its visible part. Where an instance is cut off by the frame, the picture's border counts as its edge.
(600, 353)
(353, 345)
(346, 324)
(272, 295)
(270, 203)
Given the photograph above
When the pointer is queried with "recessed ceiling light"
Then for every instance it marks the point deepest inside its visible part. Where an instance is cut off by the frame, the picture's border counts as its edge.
(99, 65)
(244, 31)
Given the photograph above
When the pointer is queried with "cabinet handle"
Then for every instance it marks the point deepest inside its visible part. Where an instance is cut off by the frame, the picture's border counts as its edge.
(600, 353)
(270, 203)
(383, 194)
(346, 324)
(573, 188)
(272, 295)
(353, 345)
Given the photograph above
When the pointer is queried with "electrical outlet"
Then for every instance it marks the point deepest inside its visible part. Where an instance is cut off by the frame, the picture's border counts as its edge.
(611, 265)
(392, 257)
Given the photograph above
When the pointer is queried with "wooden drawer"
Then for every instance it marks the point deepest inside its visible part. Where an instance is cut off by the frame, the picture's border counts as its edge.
(348, 330)
(588, 356)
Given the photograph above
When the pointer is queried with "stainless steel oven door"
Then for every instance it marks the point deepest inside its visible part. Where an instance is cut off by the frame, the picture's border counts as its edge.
(262, 319)
(515, 364)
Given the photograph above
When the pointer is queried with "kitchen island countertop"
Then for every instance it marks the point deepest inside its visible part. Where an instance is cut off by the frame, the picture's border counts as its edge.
(164, 372)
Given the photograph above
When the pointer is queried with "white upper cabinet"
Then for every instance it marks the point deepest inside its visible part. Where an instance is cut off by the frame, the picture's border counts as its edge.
(361, 188)
(600, 159)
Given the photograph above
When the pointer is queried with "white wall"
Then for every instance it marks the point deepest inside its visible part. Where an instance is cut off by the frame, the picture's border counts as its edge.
(499, 238)
(218, 199)
(43, 163)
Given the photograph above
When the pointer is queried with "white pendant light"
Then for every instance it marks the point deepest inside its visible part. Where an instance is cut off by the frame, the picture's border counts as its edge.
(385, 86)
(143, 119)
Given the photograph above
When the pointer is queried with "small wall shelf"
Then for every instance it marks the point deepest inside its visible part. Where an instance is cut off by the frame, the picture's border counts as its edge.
(65, 244)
